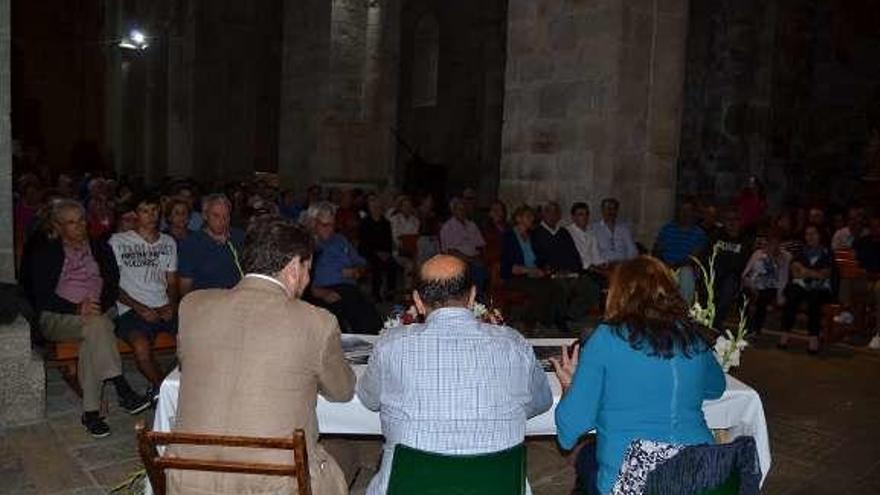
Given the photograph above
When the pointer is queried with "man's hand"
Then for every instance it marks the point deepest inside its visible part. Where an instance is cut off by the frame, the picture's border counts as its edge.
(566, 367)
(354, 272)
(536, 273)
(166, 313)
(148, 314)
(326, 295)
(88, 308)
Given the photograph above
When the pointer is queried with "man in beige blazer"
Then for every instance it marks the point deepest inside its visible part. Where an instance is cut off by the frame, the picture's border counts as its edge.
(253, 360)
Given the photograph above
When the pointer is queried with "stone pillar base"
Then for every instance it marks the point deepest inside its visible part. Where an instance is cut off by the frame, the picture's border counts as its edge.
(22, 377)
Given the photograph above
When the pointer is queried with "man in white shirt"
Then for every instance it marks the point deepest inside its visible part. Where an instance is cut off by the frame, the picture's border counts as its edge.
(614, 239)
(451, 385)
(583, 236)
(147, 302)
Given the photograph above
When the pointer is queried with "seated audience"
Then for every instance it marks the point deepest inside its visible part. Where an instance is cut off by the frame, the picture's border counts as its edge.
(376, 246)
(185, 193)
(584, 238)
(461, 237)
(99, 217)
(556, 254)
(816, 216)
(288, 206)
(73, 283)
(176, 219)
(677, 243)
(732, 249)
(554, 248)
(520, 272)
(614, 238)
(347, 218)
(855, 228)
(643, 374)
(336, 270)
(752, 205)
(293, 355)
(147, 303)
(433, 385)
(428, 219)
(404, 222)
(791, 240)
(709, 221)
(209, 258)
(810, 284)
(494, 228)
(765, 278)
(868, 254)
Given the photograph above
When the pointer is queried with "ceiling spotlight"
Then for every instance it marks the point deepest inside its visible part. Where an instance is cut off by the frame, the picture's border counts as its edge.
(136, 40)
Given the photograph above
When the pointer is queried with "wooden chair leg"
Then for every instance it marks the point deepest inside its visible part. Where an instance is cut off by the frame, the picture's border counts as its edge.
(301, 464)
(148, 452)
(68, 373)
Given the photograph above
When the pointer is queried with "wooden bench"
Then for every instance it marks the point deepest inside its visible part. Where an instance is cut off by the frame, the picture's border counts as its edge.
(65, 355)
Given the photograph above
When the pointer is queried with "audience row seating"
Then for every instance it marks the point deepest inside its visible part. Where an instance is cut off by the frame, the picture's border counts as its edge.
(65, 355)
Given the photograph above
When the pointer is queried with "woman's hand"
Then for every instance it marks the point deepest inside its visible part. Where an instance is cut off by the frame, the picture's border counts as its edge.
(566, 367)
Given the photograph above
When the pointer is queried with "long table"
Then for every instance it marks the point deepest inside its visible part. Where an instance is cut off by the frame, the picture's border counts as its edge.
(739, 410)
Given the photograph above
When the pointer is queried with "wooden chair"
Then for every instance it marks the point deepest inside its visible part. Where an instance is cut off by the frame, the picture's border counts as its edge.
(156, 464)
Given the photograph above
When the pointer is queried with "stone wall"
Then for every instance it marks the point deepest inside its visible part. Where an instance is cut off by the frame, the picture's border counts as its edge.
(786, 90)
(7, 258)
(338, 91)
(592, 105)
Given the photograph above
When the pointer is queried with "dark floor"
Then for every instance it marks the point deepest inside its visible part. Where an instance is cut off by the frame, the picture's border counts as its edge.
(822, 412)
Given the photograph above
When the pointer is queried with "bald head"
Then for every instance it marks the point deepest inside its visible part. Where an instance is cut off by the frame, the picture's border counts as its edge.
(444, 281)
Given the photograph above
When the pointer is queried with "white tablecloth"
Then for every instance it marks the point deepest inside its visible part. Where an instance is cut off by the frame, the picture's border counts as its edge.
(738, 410)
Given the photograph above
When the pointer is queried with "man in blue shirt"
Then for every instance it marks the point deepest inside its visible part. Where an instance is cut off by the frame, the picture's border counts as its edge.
(335, 271)
(209, 258)
(677, 242)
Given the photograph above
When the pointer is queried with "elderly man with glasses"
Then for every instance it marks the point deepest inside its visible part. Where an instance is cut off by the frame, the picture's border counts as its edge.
(74, 282)
(335, 272)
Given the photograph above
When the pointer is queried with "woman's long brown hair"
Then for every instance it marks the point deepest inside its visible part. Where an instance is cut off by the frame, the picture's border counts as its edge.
(644, 297)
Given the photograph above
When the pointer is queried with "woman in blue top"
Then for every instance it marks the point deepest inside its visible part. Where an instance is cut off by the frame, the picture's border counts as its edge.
(643, 374)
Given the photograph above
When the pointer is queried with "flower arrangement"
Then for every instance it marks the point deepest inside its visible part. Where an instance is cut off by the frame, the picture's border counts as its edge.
(400, 317)
(730, 344)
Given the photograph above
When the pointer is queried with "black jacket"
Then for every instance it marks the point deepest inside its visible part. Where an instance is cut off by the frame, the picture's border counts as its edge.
(556, 252)
(44, 270)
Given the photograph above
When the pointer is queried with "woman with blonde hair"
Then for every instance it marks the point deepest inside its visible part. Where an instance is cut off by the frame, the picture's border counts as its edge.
(643, 374)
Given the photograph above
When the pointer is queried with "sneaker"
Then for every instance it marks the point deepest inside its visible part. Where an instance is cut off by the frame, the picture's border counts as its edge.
(95, 425)
(134, 403)
(844, 318)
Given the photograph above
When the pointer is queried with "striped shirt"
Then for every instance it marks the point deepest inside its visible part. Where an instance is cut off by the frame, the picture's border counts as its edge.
(452, 385)
(676, 243)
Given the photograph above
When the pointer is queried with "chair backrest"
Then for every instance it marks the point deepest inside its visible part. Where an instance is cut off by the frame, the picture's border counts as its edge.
(726, 469)
(425, 473)
(156, 464)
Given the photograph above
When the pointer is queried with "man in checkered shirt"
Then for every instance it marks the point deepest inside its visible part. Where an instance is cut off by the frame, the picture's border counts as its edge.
(452, 385)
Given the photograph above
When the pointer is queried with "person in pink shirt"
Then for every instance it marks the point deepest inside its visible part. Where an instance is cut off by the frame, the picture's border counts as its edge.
(461, 237)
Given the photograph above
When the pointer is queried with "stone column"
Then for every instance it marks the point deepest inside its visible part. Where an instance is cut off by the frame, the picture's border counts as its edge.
(305, 61)
(7, 254)
(592, 105)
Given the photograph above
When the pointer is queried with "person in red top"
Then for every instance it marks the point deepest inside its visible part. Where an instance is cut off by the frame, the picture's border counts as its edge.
(752, 204)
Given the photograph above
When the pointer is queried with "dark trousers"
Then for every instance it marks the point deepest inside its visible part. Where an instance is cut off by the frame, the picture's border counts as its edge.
(759, 304)
(587, 469)
(546, 300)
(382, 270)
(726, 294)
(815, 299)
(355, 313)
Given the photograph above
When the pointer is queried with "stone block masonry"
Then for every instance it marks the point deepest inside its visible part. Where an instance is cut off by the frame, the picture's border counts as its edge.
(592, 106)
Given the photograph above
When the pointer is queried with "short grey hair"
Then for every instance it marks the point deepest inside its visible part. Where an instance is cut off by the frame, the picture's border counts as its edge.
(64, 204)
(210, 199)
(319, 209)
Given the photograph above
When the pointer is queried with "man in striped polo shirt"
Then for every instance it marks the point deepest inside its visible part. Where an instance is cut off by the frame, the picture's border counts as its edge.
(677, 242)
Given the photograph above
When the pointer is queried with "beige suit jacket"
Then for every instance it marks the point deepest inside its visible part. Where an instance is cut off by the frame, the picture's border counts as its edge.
(252, 363)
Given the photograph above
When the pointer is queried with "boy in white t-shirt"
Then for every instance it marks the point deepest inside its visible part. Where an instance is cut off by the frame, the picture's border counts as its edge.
(147, 300)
